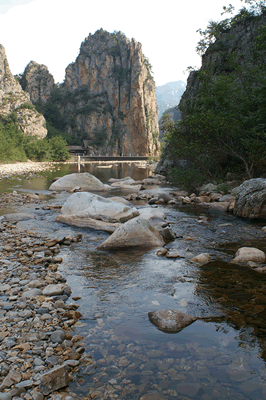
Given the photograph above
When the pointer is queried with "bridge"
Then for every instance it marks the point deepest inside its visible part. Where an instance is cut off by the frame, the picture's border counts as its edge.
(112, 158)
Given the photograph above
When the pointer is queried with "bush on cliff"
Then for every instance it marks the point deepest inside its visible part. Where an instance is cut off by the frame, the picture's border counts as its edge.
(223, 126)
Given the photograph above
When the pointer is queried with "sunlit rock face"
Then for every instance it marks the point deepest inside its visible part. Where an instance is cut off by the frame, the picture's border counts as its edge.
(14, 100)
(108, 96)
(38, 82)
(113, 99)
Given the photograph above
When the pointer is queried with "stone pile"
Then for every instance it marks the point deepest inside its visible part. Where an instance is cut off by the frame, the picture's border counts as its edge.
(38, 353)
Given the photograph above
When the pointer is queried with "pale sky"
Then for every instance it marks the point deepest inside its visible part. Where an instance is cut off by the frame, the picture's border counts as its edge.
(50, 31)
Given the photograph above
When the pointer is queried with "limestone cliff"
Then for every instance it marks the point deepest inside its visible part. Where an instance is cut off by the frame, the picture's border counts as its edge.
(237, 42)
(13, 100)
(108, 97)
(38, 82)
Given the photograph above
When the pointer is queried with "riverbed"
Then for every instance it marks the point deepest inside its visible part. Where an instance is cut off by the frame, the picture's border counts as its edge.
(220, 356)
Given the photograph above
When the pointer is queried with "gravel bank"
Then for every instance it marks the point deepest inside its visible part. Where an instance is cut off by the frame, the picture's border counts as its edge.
(38, 352)
(21, 168)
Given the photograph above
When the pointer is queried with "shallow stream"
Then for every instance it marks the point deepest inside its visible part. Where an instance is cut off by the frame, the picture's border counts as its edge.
(220, 356)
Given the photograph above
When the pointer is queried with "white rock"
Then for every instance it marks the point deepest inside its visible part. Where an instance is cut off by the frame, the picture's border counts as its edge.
(134, 233)
(245, 254)
(84, 180)
(154, 215)
(53, 290)
(88, 205)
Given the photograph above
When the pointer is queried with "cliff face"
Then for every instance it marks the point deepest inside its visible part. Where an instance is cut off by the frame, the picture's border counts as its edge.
(237, 42)
(38, 82)
(14, 100)
(108, 96)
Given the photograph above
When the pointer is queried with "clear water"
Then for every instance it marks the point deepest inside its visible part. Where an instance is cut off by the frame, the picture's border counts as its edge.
(220, 356)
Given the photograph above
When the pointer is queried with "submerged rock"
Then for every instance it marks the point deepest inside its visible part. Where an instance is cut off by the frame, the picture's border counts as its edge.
(202, 259)
(134, 233)
(84, 180)
(251, 199)
(170, 321)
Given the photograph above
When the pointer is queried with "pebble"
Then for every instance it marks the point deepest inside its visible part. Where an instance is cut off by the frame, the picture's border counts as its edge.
(34, 322)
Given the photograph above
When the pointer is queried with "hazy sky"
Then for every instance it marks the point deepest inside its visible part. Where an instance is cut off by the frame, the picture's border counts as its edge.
(50, 31)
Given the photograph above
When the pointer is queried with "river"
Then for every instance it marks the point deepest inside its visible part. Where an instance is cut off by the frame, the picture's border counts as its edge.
(220, 356)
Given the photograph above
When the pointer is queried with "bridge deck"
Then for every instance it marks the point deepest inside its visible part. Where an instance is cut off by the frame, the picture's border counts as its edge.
(113, 158)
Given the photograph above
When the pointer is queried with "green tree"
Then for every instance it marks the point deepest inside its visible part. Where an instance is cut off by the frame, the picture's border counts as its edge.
(224, 123)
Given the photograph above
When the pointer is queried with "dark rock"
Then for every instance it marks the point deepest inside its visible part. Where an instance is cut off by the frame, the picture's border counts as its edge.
(170, 321)
(251, 199)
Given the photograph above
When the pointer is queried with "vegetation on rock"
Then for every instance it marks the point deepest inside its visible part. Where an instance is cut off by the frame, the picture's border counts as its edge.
(223, 126)
(15, 146)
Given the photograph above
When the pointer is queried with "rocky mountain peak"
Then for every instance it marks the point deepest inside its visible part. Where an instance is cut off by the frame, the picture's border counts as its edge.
(108, 96)
(13, 100)
(38, 82)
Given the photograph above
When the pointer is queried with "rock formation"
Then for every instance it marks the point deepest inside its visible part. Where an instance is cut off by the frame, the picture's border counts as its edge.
(240, 40)
(108, 96)
(13, 100)
(251, 199)
(38, 82)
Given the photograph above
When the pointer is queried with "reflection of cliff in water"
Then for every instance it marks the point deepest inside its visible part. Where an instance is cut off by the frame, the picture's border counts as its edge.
(241, 294)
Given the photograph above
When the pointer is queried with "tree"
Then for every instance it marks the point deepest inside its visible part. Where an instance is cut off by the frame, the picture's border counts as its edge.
(224, 123)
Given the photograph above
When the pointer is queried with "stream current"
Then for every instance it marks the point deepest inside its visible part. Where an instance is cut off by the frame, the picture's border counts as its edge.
(220, 356)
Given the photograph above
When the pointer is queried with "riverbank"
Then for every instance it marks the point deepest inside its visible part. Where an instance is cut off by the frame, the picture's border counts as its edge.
(22, 168)
(38, 350)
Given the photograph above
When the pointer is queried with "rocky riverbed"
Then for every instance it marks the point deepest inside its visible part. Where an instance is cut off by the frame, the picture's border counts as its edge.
(113, 350)
(38, 352)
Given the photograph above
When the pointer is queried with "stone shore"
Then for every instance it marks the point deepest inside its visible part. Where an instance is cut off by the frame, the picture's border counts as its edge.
(21, 168)
(38, 353)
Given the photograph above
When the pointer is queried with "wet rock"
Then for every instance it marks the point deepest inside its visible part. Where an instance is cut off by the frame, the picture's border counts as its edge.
(245, 254)
(136, 232)
(161, 252)
(18, 217)
(202, 259)
(219, 206)
(170, 321)
(54, 379)
(85, 180)
(153, 396)
(88, 223)
(251, 198)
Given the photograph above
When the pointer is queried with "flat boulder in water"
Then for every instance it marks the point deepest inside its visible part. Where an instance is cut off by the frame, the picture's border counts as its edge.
(88, 205)
(170, 321)
(134, 233)
(84, 181)
(251, 199)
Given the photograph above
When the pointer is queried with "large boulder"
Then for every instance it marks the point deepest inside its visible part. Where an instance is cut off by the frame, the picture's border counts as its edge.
(88, 205)
(170, 321)
(251, 199)
(84, 181)
(134, 233)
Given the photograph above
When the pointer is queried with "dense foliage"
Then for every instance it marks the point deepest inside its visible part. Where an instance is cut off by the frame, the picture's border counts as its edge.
(15, 146)
(224, 124)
